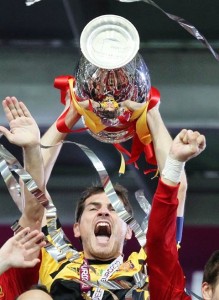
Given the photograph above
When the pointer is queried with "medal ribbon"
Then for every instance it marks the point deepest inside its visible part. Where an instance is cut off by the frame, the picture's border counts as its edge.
(113, 267)
(84, 277)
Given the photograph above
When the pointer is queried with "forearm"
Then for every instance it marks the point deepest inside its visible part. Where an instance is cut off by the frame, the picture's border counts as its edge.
(162, 221)
(53, 137)
(162, 141)
(33, 211)
(160, 136)
(182, 195)
(172, 174)
(33, 164)
(173, 177)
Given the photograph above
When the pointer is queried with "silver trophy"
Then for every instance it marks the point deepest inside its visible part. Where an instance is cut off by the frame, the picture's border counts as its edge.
(111, 71)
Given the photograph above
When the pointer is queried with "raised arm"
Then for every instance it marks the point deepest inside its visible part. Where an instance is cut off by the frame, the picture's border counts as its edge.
(53, 137)
(162, 141)
(163, 265)
(25, 133)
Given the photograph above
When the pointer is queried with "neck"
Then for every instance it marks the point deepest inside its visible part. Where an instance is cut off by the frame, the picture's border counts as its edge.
(100, 257)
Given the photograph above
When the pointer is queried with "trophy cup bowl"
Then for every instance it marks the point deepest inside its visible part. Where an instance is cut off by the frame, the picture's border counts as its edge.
(111, 71)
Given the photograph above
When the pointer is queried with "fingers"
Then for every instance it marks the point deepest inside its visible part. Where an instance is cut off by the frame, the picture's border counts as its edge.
(31, 238)
(132, 105)
(192, 143)
(24, 109)
(84, 104)
(31, 241)
(5, 105)
(201, 142)
(20, 235)
(31, 263)
(10, 106)
(14, 108)
(189, 136)
(34, 248)
(183, 136)
(196, 139)
(5, 132)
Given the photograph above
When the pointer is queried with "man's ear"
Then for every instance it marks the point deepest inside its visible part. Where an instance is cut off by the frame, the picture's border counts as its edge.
(206, 291)
(76, 230)
(128, 235)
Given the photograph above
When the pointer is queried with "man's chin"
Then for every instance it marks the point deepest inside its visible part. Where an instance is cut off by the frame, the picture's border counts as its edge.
(103, 248)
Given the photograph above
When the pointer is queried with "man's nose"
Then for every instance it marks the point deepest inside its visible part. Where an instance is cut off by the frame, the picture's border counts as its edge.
(103, 211)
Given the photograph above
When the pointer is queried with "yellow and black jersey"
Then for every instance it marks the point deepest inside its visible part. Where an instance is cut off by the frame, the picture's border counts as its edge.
(61, 277)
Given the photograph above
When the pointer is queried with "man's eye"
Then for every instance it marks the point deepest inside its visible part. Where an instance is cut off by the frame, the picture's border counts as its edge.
(112, 209)
(94, 208)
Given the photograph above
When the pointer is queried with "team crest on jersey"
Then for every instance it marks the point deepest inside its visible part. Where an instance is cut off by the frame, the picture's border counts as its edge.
(1, 292)
(74, 269)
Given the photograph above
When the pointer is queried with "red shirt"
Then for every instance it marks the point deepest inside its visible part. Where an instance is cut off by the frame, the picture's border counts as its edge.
(166, 277)
(16, 281)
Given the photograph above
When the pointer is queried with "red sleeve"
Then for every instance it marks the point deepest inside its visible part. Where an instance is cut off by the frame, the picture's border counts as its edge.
(15, 281)
(166, 278)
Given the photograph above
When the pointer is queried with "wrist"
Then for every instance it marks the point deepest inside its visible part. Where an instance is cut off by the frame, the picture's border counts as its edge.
(173, 170)
(72, 117)
(153, 118)
(4, 263)
(16, 227)
(33, 146)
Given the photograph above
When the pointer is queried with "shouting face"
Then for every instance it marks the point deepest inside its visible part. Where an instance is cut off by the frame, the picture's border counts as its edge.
(101, 230)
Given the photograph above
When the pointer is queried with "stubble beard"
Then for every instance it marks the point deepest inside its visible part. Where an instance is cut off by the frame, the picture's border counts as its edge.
(103, 253)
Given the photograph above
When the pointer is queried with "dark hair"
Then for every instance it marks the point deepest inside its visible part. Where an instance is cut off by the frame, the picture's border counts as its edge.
(41, 287)
(97, 189)
(211, 269)
(37, 287)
